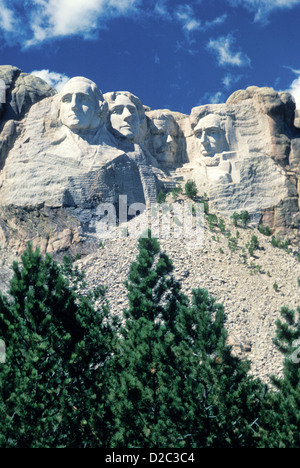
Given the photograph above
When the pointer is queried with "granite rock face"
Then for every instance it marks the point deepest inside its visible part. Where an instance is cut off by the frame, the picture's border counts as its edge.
(244, 155)
(18, 92)
(65, 156)
(22, 91)
(80, 151)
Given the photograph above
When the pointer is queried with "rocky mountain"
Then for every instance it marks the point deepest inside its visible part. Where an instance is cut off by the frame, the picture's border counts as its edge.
(77, 168)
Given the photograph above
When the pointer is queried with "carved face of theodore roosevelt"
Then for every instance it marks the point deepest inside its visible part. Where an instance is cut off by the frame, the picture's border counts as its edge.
(163, 132)
(81, 105)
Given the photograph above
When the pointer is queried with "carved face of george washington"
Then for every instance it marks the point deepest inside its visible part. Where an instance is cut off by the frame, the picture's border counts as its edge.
(81, 105)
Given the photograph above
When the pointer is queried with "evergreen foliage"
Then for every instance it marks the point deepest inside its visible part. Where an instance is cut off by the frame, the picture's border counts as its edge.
(243, 218)
(177, 383)
(280, 244)
(166, 378)
(176, 192)
(265, 230)
(281, 417)
(161, 197)
(53, 387)
(253, 245)
(190, 189)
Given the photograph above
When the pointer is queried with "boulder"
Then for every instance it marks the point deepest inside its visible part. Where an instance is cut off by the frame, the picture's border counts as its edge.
(22, 91)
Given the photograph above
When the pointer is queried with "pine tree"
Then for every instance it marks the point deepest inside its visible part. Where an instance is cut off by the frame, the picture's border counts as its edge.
(229, 399)
(281, 416)
(58, 346)
(161, 197)
(145, 358)
(190, 189)
(177, 383)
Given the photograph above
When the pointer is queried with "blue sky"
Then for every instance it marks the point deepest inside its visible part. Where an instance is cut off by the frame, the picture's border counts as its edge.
(173, 54)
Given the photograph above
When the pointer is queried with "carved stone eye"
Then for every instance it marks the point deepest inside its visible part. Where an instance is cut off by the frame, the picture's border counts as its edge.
(66, 99)
(117, 110)
(213, 131)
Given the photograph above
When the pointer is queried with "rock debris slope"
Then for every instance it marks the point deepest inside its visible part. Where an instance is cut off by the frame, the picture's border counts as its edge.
(245, 284)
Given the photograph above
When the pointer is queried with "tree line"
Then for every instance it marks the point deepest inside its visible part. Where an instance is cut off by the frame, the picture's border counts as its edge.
(76, 376)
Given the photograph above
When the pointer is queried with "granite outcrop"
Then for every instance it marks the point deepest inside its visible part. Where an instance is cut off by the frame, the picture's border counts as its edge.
(81, 151)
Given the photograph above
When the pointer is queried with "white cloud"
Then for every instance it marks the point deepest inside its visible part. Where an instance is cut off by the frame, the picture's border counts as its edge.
(227, 81)
(7, 21)
(230, 80)
(185, 15)
(34, 22)
(216, 98)
(59, 18)
(212, 98)
(54, 79)
(294, 89)
(161, 9)
(222, 47)
(263, 8)
(215, 22)
(48, 19)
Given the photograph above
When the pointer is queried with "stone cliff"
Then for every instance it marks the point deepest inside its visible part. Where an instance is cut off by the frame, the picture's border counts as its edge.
(79, 152)
(75, 161)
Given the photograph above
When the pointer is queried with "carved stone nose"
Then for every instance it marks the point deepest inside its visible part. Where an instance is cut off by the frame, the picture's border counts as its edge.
(127, 114)
(74, 102)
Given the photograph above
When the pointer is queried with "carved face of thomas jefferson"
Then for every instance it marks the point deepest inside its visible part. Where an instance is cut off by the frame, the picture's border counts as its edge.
(127, 119)
(124, 117)
(80, 105)
(211, 136)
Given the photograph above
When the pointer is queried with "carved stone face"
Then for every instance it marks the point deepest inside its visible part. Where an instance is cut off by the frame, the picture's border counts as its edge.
(211, 136)
(163, 133)
(78, 108)
(124, 118)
